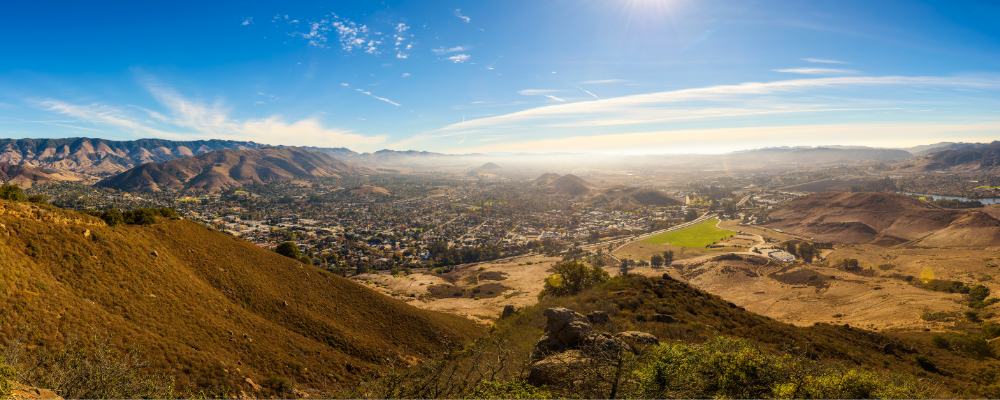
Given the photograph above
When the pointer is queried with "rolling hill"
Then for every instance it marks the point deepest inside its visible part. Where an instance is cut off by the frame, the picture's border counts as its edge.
(488, 170)
(205, 307)
(566, 185)
(27, 176)
(620, 196)
(883, 218)
(223, 169)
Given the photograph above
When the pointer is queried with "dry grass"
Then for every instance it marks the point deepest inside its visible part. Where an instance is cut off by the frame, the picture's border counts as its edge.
(206, 307)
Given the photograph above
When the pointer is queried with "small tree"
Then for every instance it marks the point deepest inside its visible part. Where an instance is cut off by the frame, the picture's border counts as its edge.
(113, 217)
(572, 277)
(288, 249)
(656, 260)
(142, 216)
(806, 251)
(790, 248)
(668, 257)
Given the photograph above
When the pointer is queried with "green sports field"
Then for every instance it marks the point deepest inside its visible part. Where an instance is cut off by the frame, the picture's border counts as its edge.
(700, 235)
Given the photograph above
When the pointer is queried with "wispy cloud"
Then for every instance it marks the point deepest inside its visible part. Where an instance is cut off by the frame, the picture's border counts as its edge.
(817, 71)
(595, 96)
(601, 81)
(554, 98)
(458, 13)
(458, 58)
(75, 127)
(653, 105)
(406, 74)
(380, 98)
(247, 21)
(445, 50)
(820, 60)
(539, 92)
(187, 119)
(670, 141)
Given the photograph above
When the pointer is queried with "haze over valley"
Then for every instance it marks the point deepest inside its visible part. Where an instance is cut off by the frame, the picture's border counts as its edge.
(494, 200)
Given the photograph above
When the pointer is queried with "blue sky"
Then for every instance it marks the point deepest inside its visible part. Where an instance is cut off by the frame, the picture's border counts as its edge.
(625, 76)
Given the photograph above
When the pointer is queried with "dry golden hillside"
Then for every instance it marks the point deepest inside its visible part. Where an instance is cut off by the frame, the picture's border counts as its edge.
(883, 218)
(206, 307)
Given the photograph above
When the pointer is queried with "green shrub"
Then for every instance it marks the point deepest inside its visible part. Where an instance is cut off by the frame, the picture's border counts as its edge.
(141, 216)
(7, 375)
(12, 193)
(113, 217)
(279, 384)
(513, 389)
(288, 249)
(850, 384)
(940, 342)
(979, 292)
(730, 368)
(925, 363)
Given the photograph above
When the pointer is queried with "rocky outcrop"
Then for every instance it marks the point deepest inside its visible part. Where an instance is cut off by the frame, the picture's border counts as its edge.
(571, 342)
(26, 392)
(508, 311)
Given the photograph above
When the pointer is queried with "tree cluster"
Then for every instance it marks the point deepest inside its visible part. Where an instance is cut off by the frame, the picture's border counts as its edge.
(14, 193)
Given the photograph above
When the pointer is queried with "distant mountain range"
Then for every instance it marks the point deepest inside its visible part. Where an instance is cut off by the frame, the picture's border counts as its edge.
(219, 170)
(104, 157)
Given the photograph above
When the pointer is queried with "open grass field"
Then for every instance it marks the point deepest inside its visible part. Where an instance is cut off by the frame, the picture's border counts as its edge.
(700, 235)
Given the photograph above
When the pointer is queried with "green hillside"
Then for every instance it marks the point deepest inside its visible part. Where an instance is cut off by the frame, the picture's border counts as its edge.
(699, 235)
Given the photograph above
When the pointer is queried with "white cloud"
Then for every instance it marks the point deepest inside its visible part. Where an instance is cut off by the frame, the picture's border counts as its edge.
(601, 81)
(653, 105)
(554, 98)
(247, 21)
(445, 50)
(406, 74)
(458, 58)
(380, 98)
(344, 85)
(458, 13)
(400, 38)
(820, 60)
(817, 71)
(350, 35)
(189, 119)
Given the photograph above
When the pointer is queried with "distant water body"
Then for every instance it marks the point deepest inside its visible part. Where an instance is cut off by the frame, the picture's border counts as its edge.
(939, 197)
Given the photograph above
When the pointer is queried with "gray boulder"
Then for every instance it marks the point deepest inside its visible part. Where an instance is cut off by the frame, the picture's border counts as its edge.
(568, 326)
(600, 342)
(545, 347)
(556, 366)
